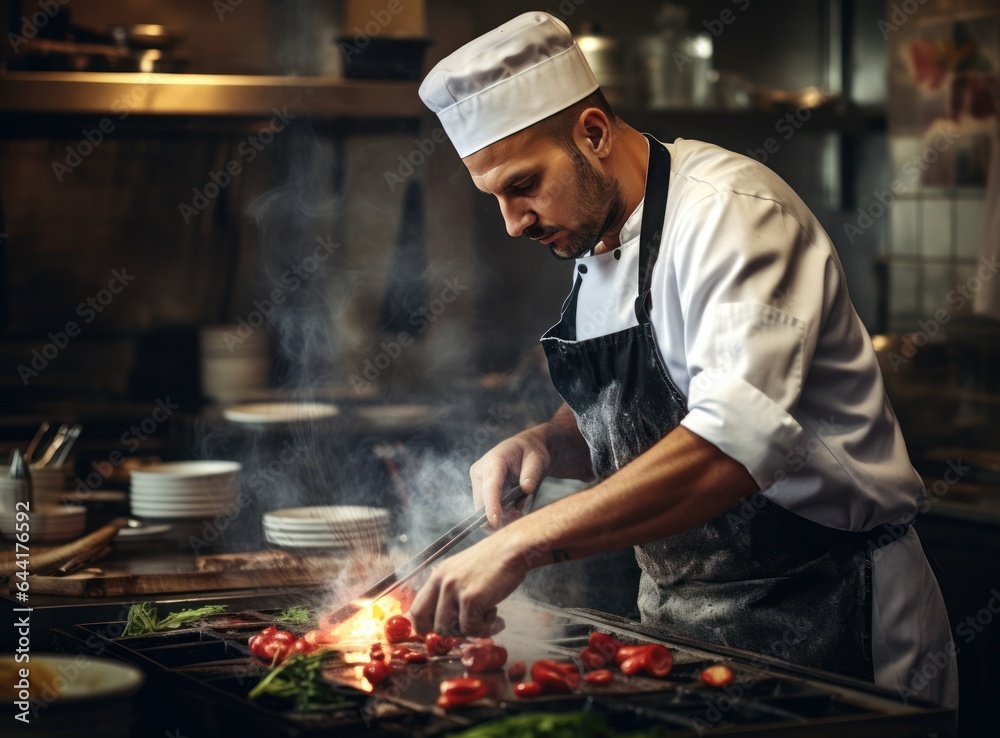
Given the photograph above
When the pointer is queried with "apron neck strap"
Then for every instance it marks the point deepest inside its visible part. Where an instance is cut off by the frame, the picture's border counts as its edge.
(654, 211)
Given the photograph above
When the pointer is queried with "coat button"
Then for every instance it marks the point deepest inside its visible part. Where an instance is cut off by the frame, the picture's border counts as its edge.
(582, 268)
(618, 254)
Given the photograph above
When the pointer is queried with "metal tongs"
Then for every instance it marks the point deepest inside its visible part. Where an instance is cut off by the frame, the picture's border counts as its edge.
(455, 535)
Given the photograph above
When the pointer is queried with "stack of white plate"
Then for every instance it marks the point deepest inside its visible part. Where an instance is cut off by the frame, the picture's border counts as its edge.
(185, 489)
(235, 362)
(46, 523)
(330, 526)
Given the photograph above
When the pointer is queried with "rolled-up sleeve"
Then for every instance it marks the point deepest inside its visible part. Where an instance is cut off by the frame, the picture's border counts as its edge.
(752, 288)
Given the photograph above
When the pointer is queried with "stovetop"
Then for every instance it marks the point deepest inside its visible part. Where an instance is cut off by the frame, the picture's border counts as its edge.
(209, 671)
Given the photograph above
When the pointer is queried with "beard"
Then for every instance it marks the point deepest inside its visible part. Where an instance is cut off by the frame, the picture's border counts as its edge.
(598, 206)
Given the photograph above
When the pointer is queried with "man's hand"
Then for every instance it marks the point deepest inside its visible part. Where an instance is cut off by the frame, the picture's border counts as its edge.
(463, 591)
(554, 448)
(524, 457)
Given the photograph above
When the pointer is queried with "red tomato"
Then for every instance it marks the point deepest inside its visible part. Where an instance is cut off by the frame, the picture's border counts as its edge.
(517, 670)
(397, 629)
(717, 675)
(604, 644)
(483, 655)
(438, 644)
(627, 652)
(461, 690)
(554, 676)
(601, 676)
(376, 672)
(527, 689)
(592, 658)
(272, 644)
(654, 659)
(303, 646)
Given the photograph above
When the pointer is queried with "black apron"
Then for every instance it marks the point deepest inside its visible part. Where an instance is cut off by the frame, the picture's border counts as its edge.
(757, 577)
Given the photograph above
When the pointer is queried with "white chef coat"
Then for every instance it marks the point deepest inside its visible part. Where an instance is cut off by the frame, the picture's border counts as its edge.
(754, 324)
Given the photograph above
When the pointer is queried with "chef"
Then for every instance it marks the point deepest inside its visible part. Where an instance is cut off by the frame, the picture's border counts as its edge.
(719, 388)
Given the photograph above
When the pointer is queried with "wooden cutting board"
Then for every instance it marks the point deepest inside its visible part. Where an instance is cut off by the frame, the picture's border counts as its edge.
(269, 568)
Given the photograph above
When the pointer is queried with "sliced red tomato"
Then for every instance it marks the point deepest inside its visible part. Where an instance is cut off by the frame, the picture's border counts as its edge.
(592, 658)
(397, 629)
(717, 675)
(654, 659)
(483, 655)
(601, 677)
(626, 652)
(604, 644)
(527, 689)
(555, 677)
(438, 644)
(376, 672)
(517, 670)
(460, 691)
(415, 657)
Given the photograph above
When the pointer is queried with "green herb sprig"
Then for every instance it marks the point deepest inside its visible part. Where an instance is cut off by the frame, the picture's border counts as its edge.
(299, 678)
(143, 618)
(295, 614)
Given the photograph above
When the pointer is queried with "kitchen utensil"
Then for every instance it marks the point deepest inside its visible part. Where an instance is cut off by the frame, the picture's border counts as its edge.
(53, 447)
(445, 543)
(33, 446)
(48, 561)
(63, 453)
(19, 472)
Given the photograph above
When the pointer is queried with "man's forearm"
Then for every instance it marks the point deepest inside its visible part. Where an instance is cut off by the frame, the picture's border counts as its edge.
(679, 484)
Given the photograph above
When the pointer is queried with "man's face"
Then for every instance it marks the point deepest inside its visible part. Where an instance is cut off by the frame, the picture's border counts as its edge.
(548, 191)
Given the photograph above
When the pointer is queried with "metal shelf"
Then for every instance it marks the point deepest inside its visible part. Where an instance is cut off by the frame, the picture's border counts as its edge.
(218, 95)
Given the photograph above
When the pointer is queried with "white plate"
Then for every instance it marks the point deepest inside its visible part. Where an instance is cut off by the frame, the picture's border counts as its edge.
(95, 678)
(142, 533)
(280, 412)
(328, 514)
(398, 416)
(215, 494)
(186, 470)
(294, 543)
(146, 507)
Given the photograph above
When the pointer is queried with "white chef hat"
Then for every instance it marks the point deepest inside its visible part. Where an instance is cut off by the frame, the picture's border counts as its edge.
(506, 80)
